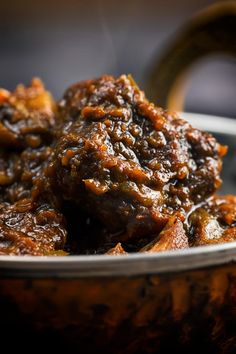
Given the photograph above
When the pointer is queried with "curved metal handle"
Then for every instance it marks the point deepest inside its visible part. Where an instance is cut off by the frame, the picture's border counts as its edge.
(212, 31)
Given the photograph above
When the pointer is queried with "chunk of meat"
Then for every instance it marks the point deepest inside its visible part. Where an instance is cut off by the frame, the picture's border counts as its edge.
(130, 163)
(26, 116)
(117, 250)
(26, 229)
(20, 172)
(214, 222)
(172, 237)
(27, 128)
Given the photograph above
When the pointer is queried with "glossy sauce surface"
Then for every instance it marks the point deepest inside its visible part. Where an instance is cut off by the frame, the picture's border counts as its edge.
(108, 170)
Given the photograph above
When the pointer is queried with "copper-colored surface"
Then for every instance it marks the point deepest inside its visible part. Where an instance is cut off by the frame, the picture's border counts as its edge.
(189, 310)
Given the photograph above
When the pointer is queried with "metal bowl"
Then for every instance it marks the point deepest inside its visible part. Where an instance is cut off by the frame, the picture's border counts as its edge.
(140, 303)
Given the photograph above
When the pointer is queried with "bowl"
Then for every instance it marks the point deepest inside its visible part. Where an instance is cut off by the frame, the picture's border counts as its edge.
(139, 303)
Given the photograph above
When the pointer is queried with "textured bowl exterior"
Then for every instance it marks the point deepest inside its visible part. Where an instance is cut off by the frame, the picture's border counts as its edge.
(188, 311)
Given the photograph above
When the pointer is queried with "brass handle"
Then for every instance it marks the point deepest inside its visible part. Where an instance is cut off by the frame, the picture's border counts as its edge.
(212, 31)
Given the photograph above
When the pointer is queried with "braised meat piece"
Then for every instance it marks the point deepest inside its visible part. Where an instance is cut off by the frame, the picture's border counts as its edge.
(172, 237)
(26, 228)
(27, 116)
(27, 122)
(116, 250)
(129, 163)
(20, 172)
(214, 221)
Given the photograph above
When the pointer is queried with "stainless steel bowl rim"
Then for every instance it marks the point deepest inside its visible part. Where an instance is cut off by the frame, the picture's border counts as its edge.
(133, 264)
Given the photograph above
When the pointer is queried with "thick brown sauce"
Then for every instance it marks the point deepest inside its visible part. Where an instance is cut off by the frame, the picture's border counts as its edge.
(105, 171)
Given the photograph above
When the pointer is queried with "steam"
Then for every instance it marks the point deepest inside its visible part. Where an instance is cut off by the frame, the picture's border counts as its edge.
(109, 40)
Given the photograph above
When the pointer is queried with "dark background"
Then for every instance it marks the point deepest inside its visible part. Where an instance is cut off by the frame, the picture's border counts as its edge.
(66, 41)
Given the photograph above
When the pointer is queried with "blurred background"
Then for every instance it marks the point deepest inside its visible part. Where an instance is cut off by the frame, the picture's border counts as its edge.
(65, 41)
